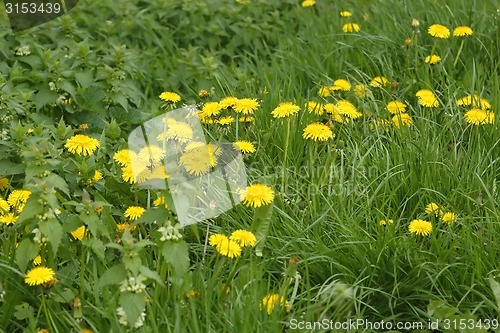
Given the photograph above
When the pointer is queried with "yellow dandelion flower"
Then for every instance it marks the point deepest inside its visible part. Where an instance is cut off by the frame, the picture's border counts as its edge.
(479, 117)
(402, 119)
(200, 160)
(420, 227)
(171, 97)
(4, 206)
(79, 232)
(246, 119)
(7, 219)
(270, 301)
(4, 183)
(37, 261)
(324, 91)
(346, 108)
(314, 107)
(386, 222)
(229, 248)
(245, 147)
(462, 31)
(432, 208)
(224, 121)
(39, 275)
(257, 195)
(332, 110)
(383, 124)
(211, 109)
(203, 93)
(285, 109)
(125, 225)
(246, 105)
(475, 101)
(308, 3)
(160, 201)
(151, 153)
(432, 59)
(345, 13)
(134, 212)
(396, 107)
(97, 176)
(439, 31)
(340, 84)
(82, 145)
(317, 132)
(178, 131)
(449, 217)
(128, 174)
(361, 90)
(243, 238)
(124, 156)
(427, 98)
(350, 27)
(217, 239)
(379, 81)
(18, 198)
(228, 102)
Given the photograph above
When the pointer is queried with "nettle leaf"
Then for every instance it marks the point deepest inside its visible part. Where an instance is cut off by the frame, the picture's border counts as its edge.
(176, 254)
(114, 275)
(54, 180)
(133, 304)
(44, 97)
(154, 214)
(260, 226)
(84, 79)
(25, 252)
(54, 232)
(32, 208)
(8, 168)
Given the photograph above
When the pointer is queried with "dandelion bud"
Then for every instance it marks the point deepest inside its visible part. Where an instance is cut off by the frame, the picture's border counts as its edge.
(415, 23)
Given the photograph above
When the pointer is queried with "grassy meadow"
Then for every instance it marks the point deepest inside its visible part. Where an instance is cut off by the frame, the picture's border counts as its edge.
(369, 134)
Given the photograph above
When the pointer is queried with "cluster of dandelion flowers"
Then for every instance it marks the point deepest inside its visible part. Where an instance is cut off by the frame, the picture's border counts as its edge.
(420, 227)
(271, 301)
(432, 59)
(170, 97)
(395, 107)
(439, 31)
(244, 238)
(379, 81)
(402, 119)
(350, 27)
(39, 275)
(225, 246)
(245, 147)
(285, 109)
(246, 105)
(82, 145)
(317, 132)
(462, 31)
(479, 117)
(427, 98)
(257, 195)
(134, 212)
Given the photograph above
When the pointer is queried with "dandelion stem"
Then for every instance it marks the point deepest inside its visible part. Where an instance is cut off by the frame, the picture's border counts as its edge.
(287, 139)
(458, 53)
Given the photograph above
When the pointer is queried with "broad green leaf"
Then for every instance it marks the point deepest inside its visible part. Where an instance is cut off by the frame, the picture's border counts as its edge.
(151, 274)
(44, 97)
(133, 304)
(260, 226)
(56, 181)
(25, 252)
(154, 214)
(176, 254)
(8, 168)
(54, 232)
(24, 311)
(84, 79)
(114, 275)
(31, 209)
(495, 287)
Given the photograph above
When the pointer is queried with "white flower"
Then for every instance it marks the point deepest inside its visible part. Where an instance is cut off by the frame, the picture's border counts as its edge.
(169, 232)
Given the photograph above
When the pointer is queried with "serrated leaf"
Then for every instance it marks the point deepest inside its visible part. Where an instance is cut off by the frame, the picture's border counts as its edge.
(84, 79)
(133, 304)
(260, 226)
(151, 274)
(8, 168)
(44, 97)
(93, 95)
(176, 254)
(56, 181)
(54, 232)
(31, 209)
(24, 311)
(25, 252)
(154, 214)
(63, 296)
(114, 275)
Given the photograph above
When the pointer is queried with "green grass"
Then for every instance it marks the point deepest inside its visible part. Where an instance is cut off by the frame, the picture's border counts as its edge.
(325, 251)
